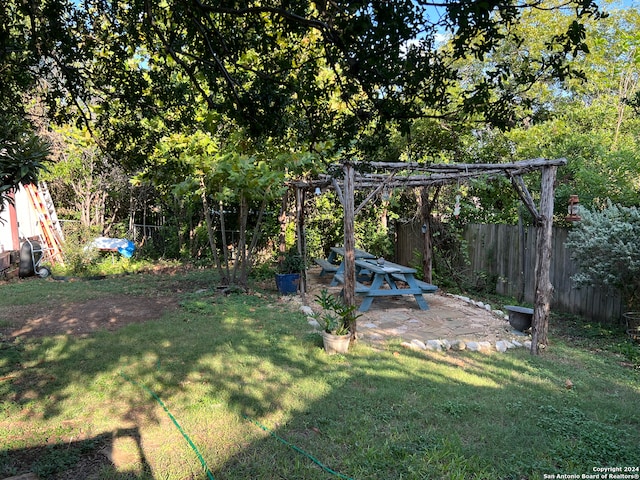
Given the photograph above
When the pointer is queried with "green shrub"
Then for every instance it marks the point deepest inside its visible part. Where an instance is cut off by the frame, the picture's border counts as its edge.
(78, 259)
(606, 248)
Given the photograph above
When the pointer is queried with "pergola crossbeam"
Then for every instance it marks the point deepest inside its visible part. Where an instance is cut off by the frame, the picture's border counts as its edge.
(380, 175)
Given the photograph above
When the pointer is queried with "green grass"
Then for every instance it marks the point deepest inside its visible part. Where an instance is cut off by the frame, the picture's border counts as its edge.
(242, 374)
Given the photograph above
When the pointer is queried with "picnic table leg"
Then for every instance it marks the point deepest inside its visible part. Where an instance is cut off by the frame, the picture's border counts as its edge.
(378, 280)
(422, 303)
(366, 303)
(334, 281)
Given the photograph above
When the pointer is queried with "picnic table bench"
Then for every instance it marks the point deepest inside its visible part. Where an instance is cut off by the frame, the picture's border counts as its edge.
(424, 286)
(361, 288)
(327, 266)
(385, 278)
(332, 265)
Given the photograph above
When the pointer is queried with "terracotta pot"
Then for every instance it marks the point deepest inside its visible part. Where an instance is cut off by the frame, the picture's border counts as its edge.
(335, 343)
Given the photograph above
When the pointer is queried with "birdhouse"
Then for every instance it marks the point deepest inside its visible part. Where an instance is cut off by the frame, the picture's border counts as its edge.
(574, 208)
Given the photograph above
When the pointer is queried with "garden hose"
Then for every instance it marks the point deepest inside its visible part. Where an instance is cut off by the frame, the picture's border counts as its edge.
(299, 450)
(175, 422)
(195, 449)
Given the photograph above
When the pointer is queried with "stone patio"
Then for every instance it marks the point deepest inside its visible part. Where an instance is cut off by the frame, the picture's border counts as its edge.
(448, 318)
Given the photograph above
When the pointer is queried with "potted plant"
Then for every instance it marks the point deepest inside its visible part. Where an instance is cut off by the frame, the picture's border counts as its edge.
(289, 269)
(335, 318)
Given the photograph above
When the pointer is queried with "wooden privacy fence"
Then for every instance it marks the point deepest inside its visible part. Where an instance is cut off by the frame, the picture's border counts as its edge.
(505, 254)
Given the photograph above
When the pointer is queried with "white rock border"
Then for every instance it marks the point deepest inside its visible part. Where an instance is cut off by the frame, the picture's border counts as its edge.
(484, 306)
(443, 345)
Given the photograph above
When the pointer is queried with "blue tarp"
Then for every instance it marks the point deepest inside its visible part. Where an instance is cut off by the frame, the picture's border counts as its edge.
(121, 245)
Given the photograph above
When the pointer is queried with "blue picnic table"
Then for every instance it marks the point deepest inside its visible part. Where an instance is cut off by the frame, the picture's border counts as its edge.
(387, 279)
(333, 265)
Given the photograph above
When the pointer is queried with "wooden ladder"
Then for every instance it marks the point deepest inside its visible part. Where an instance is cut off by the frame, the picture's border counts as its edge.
(51, 233)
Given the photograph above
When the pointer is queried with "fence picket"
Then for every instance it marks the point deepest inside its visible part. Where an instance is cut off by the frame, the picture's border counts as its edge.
(495, 252)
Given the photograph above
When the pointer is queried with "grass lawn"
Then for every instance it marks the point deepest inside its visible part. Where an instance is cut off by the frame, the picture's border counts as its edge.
(240, 383)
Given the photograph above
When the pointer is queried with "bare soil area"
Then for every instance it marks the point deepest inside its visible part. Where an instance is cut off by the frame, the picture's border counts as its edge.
(82, 318)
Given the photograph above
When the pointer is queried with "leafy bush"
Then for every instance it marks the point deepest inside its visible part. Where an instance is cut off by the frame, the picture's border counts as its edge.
(336, 317)
(78, 259)
(606, 248)
(292, 262)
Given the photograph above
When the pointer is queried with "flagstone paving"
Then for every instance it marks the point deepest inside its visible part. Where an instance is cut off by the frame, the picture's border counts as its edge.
(399, 318)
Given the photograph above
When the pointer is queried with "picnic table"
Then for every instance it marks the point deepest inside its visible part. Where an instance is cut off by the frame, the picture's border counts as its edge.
(332, 265)
(387, 279)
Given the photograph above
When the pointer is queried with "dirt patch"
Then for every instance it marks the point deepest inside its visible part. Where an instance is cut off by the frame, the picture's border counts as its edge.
(82, 318)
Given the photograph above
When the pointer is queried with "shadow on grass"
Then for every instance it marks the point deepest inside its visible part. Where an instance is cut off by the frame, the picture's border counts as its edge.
(368, 415)
(94, 457)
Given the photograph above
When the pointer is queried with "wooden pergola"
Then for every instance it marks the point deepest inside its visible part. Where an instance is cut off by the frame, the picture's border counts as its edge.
(377, 176)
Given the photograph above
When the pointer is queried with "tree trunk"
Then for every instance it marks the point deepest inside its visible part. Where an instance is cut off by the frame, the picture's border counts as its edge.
(543, 287)
(255, 236)
(300, 238)
(225, 249)
(210, 231)
(241, 254)
(349, 291)
(426, 207)
(282, 221)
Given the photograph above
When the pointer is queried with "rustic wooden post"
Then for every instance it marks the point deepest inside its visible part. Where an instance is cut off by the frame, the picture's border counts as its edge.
(300, 238)
(348, 203)
(282, 222)
(426, 209)
(543, 287)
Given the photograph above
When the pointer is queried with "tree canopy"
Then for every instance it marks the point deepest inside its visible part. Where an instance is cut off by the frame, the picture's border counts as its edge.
(311, 69)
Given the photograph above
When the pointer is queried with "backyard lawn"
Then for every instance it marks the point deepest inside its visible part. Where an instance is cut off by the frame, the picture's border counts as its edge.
(166, 376)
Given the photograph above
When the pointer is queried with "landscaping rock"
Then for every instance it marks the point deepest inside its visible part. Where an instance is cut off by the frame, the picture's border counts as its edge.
(410, 346)
(458, 345)
(484, 346)
(306, 310)
(501, 346)
(473, 346)
(419, 343)
(434, 345)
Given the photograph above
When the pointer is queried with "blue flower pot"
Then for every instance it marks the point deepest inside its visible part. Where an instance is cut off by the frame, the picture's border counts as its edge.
(287, 283)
